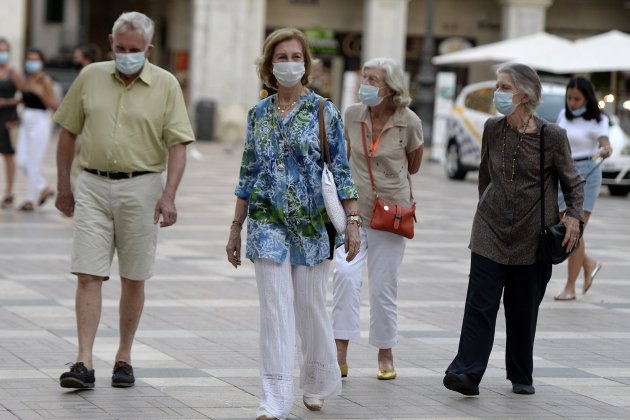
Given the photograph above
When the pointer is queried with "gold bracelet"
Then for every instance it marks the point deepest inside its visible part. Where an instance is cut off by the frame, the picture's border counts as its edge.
(236, 222)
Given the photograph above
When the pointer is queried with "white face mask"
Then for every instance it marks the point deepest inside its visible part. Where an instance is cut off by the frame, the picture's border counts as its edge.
(288, 73)
(130, 63)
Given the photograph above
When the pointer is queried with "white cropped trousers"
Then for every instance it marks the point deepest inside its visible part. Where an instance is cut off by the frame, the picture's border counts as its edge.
(293, 298)
(33, 138)
(383, 252)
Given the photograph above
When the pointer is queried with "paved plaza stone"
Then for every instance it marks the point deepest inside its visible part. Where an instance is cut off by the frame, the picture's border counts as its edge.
(196, 351)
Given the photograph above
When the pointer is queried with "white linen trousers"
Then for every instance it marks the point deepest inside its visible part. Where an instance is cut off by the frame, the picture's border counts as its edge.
(293, 298)
(33, 138)
(383, 252)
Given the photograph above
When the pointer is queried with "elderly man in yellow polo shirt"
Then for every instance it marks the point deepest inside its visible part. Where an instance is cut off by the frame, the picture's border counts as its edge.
(133, 120)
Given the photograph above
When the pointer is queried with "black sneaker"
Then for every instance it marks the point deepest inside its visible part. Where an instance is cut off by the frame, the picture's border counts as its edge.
(123, 375)
(78, 377)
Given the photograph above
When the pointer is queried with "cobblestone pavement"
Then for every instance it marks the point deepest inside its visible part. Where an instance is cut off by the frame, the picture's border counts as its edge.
(196, 350)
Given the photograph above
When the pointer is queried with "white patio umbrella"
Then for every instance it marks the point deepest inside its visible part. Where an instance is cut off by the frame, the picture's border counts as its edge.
(609, 51)
(513, 49)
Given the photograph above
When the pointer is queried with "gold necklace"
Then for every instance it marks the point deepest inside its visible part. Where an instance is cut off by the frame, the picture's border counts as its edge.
(283, 108)
(521, 135)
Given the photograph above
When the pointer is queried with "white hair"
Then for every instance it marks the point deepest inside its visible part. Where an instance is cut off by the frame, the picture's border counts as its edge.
(394, 79)
(136, 22)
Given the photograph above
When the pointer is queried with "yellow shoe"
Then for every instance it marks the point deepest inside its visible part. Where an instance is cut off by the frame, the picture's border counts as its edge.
(386, 375)
(344, 370)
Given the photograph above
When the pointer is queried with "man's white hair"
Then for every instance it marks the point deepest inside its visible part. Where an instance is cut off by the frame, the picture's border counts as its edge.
(136, 22)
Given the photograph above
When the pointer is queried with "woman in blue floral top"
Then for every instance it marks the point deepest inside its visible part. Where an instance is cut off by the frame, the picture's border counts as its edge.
(280, 194)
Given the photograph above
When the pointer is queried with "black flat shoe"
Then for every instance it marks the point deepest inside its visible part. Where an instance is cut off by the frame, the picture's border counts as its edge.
(523, 389)
(78, 377)
(462, 383)
(26, 207)
(45, 195)
(122, 375)
(7, 202)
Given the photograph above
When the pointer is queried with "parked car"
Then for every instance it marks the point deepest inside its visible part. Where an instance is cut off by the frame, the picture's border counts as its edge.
(473, 106)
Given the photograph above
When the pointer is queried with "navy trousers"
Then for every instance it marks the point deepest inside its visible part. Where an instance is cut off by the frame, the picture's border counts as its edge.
(523, 288)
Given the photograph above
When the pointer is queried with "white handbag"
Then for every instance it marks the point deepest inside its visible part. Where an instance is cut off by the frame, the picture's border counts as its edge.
(334, 208)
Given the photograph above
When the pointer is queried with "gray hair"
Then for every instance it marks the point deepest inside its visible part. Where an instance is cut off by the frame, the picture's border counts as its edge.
(526, 81)
(394, 79)
(136, 22)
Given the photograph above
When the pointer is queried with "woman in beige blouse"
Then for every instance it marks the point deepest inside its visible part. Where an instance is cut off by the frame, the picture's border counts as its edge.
(393, 136)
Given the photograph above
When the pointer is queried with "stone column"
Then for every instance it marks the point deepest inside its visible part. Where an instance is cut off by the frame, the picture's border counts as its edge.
(13, 24)
(227, 38)
(523, 17)
(385, 29)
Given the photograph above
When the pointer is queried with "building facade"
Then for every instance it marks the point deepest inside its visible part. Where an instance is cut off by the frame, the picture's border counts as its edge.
(212, 45)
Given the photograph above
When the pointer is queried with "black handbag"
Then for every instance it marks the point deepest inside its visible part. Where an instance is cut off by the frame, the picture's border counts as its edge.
(552, 235)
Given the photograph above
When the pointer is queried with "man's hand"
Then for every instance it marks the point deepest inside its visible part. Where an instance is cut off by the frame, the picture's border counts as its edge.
(166, 208)
(65, 202)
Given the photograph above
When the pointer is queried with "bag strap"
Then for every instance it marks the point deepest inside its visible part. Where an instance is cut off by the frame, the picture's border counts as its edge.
(367, 159)
(325, 151)
(542, 180)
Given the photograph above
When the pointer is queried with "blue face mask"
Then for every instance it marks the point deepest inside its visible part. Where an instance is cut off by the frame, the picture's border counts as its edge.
(32, 66)
(4, 57)
(130, 63)
(369, 95)
(503, 102)
(578, 112)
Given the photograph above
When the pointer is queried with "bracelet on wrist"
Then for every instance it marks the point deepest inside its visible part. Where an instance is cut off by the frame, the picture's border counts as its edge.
(354, 219)
(237, 223)
(353, 213)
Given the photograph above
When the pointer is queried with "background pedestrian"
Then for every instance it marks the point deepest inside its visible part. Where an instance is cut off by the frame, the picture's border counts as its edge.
(36, 128)
(10, 80)
(587, 130)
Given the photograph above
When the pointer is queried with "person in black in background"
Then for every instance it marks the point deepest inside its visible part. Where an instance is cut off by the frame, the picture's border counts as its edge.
(9, 83)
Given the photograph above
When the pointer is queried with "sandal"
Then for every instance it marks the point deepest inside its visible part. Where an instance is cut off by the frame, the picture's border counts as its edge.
(27, 207)
(564, 296)
(45, 195)
(598, 267)
(7, 202)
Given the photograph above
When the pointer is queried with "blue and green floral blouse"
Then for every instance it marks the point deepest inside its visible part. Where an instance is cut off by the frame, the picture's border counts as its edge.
(281, 179)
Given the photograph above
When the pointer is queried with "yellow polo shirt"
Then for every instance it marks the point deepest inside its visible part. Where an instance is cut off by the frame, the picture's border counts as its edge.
(125, 128)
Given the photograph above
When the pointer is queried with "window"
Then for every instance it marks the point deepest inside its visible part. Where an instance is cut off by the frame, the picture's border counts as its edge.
(54, 11)
(481, 100)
